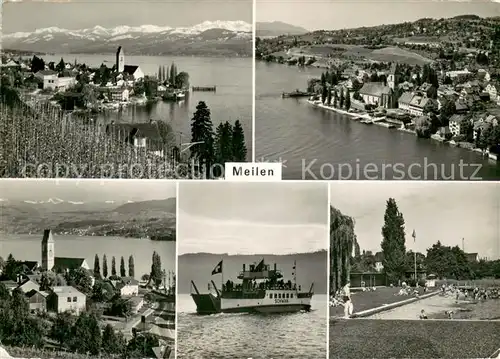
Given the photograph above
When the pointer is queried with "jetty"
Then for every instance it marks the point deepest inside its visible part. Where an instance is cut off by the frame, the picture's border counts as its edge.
(204, 88)
(296, 93)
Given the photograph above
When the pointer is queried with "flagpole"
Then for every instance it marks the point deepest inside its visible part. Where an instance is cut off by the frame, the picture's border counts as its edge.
(222, 276)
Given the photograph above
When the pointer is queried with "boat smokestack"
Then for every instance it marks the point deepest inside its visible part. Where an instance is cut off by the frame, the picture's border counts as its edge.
(274, 266)
(243, 267)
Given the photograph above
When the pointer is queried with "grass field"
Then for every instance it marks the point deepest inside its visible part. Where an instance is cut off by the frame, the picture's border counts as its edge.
(368, 300)
(368, 338)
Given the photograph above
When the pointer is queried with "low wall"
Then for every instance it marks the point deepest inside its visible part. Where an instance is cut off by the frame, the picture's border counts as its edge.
(369, 312)
(379, 338)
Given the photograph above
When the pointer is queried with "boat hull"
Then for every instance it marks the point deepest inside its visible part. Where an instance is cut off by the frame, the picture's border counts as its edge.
(207, 304)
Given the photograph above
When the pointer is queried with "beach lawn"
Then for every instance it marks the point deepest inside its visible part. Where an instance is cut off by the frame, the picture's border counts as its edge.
(368, 300)
(371, 338)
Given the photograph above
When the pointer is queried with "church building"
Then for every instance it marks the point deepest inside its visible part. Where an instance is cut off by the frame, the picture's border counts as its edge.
(133, 70)
(58, 264)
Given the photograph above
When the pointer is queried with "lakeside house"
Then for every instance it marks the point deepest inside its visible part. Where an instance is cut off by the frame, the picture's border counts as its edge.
(37, 300)
(65, 298)
(115, 93)
(376, 94)
(10, 64)
(141, 135)
(52, 81)
(127, 286)
(415, 103)
(456, 124)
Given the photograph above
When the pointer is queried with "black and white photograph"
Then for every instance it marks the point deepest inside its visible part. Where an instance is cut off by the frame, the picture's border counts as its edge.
(414, 270)
(87, 269)
(125, 89)
(252, 264)
(379, 90)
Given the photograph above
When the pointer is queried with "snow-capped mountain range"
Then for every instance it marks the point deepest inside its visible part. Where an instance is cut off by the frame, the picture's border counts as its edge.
(230, 36)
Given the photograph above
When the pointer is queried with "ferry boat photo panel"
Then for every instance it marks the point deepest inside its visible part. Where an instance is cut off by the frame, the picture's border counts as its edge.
(415, 265)
(411, 93)
(87, 269)
(125, 89)
(252, 263)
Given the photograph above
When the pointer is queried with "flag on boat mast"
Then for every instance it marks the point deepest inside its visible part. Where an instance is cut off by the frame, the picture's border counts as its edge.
(217, 269)
(414, 235)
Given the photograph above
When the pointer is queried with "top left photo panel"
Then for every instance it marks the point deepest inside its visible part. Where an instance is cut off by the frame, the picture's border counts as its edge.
(124, 89)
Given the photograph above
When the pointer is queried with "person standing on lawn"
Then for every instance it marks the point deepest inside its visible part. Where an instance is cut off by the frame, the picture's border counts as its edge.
(348, 306)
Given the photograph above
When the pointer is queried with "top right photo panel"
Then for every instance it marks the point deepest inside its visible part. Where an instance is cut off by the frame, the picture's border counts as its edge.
(378, 90)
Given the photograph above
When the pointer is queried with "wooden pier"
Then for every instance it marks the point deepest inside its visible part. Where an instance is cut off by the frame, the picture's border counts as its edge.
(205, 88)
(296, 94)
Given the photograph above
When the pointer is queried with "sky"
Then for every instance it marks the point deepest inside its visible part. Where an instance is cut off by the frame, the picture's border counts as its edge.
(29, 15)
(252, 218)
(337, 14)
(445, 211)
(86, 190)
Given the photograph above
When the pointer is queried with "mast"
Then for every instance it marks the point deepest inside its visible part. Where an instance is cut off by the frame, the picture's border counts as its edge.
(294, 273)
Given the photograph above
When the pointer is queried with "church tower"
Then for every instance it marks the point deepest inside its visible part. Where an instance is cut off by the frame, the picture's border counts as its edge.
(120, 60)
(48, 254)
(392, 77)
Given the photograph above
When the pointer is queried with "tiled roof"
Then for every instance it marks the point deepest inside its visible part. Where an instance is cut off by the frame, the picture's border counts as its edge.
(47, 72)
(130, 69)
(457, 118)
(375, 89)
(63, 263)
(148, 129)
(405, 98)
(66, 290)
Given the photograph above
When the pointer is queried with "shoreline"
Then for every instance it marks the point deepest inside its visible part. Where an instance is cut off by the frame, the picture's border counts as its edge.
(489, 156)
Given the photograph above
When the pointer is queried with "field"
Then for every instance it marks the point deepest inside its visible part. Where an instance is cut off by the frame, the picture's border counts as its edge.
(362, 338)
(386, 54)
(368, 300)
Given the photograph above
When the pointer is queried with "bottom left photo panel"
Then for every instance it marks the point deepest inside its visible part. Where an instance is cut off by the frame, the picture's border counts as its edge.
(87, 269)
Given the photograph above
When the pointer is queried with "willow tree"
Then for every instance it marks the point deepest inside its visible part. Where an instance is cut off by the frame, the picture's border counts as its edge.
(342, 243)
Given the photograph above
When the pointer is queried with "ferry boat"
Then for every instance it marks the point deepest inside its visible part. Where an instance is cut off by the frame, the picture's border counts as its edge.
(261, 289)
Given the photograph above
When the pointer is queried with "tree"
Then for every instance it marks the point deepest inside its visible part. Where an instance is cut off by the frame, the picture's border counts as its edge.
(11, 268)
(80, 278)
(113, 266)
(223, 143)
(97, 267)
(131, 267)
(86, 335)
(341, 100)
(324, 94)
(447, 262)
(335, 99)
(393, 242)
(182, 80)
(141, 346)
(104, 266)
(173, 75)
(202, 131)
(112, 343)
(156, 273)
(61, 329)
(238, 141)
(61, 66)
(120, 307)
(102, 291)
(123, 270)
(347, 101)
(37, 64)
(342, 241)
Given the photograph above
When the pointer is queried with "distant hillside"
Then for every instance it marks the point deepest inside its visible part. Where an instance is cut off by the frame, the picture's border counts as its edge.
(311, 267)
(278, 28)
(153, 219)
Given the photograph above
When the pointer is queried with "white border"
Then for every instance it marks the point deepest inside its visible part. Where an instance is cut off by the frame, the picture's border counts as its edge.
(328, 273)
(177, 262)
(254, 32)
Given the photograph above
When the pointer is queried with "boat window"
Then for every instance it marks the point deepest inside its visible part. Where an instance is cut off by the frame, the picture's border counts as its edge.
(279, 295)
(288, 295)
(271, 295)
(291, 295)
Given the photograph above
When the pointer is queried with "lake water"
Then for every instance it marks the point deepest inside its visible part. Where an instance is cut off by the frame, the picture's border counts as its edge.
(292, 130)
(294, 336)
(231, 102)
(28, 247)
